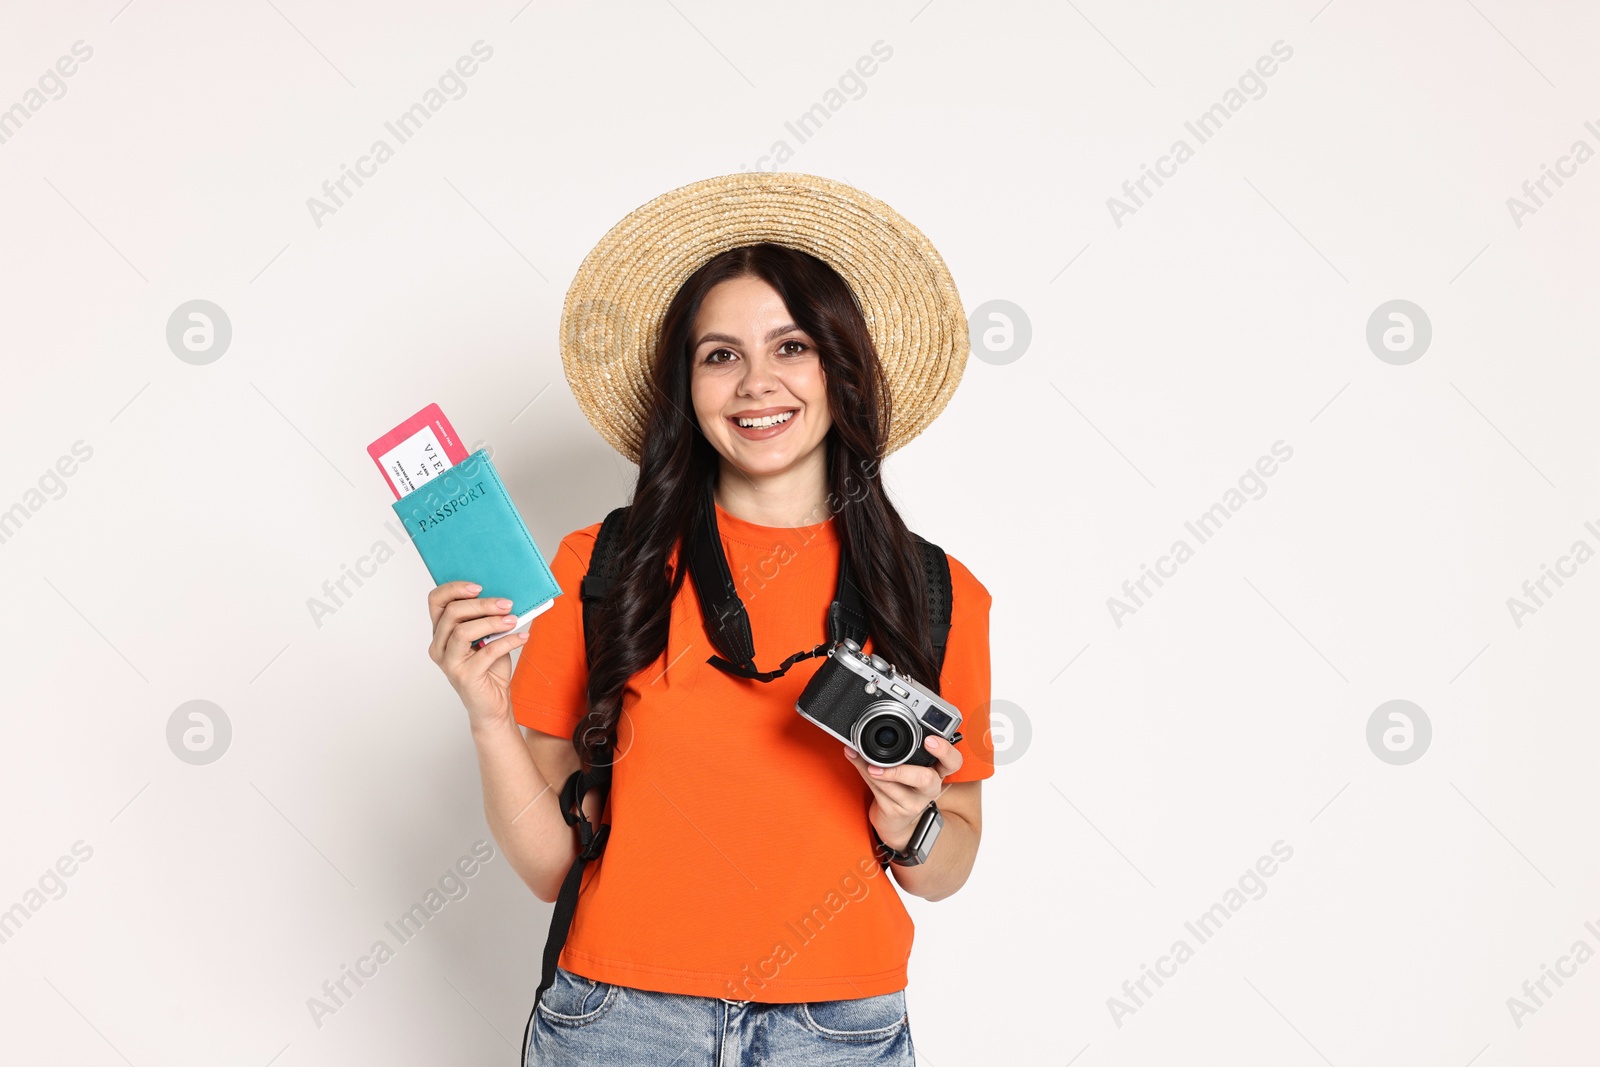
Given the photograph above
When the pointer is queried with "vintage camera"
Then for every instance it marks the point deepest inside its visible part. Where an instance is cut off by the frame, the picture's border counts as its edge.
(883, 715)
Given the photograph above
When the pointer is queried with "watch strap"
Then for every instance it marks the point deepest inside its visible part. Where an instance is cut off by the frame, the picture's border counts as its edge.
(888, 854)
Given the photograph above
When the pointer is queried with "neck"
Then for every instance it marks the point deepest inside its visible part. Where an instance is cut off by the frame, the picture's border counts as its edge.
(795, 497)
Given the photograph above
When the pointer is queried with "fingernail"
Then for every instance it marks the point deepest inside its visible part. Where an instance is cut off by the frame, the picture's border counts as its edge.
(874, 769)
(849, 753)
(503, 605)
(508, 620)
(933, 742)
(473, 587)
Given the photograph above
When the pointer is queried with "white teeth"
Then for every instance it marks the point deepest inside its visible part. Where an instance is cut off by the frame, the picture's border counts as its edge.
(765, 421)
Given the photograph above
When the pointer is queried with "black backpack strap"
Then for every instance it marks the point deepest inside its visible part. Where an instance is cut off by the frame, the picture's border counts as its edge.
(936, 576)
(605, 565)
(727, 623)
(847, 615)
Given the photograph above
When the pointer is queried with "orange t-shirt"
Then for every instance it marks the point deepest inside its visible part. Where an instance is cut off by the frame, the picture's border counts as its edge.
(740, 860)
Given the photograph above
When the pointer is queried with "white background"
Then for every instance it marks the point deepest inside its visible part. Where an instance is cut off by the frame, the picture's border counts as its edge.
(1168, 353)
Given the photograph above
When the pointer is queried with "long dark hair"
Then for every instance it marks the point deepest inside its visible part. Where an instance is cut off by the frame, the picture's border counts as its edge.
(677, 466)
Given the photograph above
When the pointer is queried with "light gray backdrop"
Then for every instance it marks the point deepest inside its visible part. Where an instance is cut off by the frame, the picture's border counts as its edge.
(1341, 351)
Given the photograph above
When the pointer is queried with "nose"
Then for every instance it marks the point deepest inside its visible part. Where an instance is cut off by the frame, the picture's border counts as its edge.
(758, 377)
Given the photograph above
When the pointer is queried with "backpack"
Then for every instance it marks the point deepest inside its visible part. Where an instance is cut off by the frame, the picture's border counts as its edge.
(729, 629)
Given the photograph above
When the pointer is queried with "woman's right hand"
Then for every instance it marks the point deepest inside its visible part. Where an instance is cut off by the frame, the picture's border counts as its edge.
(482, 677)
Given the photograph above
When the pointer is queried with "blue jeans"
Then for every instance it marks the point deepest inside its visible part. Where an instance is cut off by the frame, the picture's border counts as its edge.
(579, 1021)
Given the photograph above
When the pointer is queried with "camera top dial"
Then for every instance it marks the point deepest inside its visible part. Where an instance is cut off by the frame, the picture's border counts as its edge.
(877, 662)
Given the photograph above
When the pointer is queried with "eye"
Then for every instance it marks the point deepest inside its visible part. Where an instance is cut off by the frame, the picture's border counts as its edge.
(799, 348)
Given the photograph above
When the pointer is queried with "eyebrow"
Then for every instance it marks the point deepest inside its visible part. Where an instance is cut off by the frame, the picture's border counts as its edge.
(787, 327)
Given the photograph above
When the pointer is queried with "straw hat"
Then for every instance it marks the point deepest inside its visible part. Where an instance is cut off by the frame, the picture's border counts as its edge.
(611, 319)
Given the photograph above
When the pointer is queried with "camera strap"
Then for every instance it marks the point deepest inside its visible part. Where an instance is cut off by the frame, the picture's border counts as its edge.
(727, 621)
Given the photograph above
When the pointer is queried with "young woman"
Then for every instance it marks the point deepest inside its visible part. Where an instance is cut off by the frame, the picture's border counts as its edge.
(741, 912)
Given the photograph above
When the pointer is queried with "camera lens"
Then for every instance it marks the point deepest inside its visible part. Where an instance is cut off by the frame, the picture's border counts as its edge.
(885, 734)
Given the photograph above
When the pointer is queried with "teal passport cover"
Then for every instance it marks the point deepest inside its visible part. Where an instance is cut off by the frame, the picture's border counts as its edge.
(466, 529)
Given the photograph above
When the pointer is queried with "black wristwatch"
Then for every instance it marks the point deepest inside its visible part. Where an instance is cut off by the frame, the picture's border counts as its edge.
(921, 843)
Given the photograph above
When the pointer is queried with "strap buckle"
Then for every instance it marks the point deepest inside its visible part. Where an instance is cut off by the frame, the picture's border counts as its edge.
(572, 798)
(591, 842)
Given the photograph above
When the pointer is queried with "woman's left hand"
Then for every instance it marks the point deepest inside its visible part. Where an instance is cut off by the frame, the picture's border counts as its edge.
(900, 793)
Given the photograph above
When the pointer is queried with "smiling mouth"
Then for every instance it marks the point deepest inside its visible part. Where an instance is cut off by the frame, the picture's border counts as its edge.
(764, 421)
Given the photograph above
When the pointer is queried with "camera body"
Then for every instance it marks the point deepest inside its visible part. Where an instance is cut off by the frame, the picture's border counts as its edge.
(885, 716)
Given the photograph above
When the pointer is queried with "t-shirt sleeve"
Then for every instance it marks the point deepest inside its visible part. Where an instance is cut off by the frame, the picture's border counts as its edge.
(549, 684)
(964, 681)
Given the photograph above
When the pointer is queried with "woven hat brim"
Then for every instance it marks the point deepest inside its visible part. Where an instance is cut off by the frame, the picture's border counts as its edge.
(611, 318)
